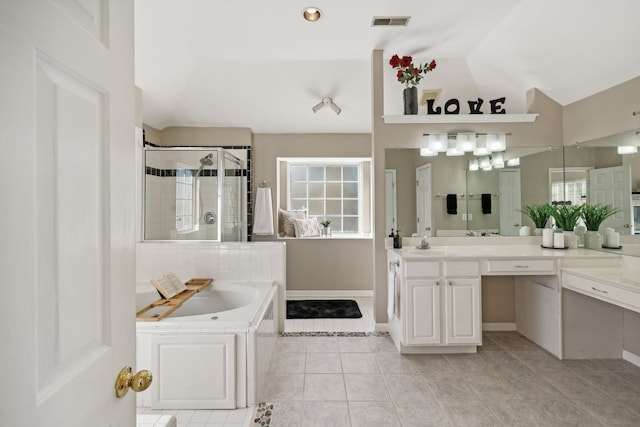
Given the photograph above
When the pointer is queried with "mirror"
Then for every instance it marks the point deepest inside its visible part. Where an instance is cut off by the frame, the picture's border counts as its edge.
(599, 157)
(195, 194)
(451, 176)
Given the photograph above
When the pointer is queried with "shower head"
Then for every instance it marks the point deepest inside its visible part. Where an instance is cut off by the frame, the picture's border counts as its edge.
(207, 160)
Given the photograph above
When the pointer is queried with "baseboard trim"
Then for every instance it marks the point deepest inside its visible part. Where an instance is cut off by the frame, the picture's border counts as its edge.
(381, 327)
(630, 357)
(328, 294)
(499, 326)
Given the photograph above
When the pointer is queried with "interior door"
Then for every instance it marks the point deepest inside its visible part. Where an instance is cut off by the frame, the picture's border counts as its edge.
(612, 186)
(423, 200)
(390, 201)
(68, 258)
(510, 201)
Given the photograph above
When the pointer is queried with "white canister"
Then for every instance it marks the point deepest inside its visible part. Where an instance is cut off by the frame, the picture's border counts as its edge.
(525, 230)
(613, 240)
(547, 238)
(558, 240)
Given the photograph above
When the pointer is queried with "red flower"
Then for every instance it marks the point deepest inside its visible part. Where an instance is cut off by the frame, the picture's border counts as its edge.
(408, 73)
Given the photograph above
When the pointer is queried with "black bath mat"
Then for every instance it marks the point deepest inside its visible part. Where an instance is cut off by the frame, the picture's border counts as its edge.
(323, 309)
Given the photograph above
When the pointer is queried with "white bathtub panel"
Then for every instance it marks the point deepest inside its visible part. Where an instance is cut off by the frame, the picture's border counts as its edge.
(193, 371)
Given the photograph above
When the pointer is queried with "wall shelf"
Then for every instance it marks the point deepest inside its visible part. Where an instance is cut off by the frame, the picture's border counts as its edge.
(460, 118)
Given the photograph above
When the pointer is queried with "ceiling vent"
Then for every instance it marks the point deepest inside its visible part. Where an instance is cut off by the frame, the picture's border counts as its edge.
(390, 21)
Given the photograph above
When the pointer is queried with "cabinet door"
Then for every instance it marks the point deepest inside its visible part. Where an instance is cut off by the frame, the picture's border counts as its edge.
(462, 312)
(423, 311)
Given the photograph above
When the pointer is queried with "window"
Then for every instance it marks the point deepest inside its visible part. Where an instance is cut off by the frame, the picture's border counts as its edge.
(334, 189)
(186, 200)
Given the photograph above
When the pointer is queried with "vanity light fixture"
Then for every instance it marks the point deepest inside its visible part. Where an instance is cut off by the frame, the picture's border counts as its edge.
(473, 165)
(438, 142)
(481, 148)
(453, 149)
(627, 149)
(513, 162)
(496, 142)
(312, 14)
(428, 152)
(466, 141)
(497, 160)
(484, 163)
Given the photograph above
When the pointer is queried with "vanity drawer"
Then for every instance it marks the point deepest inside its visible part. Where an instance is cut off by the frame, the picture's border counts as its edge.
(422, 268)
(461, 268)
(605, 292)
(525, 266)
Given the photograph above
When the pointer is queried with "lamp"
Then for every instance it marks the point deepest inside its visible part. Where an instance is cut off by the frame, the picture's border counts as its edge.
(627, 149)
(453, 150)
(326, 101)
(311, 14)
(473, 165)
(496, 142)
(438, 142)
(484, 163)
(481, 147)
(497, 160)
(427, 152)
(466, 141)
(513, 162)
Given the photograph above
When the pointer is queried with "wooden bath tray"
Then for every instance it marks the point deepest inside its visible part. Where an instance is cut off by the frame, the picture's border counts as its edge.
(166, 306)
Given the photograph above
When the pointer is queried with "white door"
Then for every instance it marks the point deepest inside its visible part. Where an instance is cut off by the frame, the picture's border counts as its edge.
(612, 186)
(463, 317)
(67, 170)
(510, 201)
(390, 201)
(423, 200)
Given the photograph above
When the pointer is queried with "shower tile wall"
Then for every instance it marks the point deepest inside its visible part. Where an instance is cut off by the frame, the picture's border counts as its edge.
(222, 261)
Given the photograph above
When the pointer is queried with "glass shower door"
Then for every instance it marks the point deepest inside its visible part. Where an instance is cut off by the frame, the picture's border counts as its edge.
(232, 200)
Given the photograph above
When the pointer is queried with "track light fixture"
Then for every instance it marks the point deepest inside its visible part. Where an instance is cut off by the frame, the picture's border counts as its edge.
(326, 101)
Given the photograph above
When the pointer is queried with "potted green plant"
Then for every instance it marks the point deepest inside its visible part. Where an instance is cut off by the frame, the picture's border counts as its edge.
(326, 230)
(539, 214)
(566, 216)
(593, 217)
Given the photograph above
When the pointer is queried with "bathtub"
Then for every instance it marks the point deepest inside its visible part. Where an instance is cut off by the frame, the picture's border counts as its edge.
(212, 352)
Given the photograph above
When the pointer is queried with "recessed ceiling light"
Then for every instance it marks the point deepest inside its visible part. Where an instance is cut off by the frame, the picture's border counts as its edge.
(312, 14)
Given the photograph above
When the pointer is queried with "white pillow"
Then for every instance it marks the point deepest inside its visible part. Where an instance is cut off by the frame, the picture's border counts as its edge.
(308, 227)
(285, 221)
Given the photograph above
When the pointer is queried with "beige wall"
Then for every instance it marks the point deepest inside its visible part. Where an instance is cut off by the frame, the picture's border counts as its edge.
(318, 264)
(498, 299)
(198, 136)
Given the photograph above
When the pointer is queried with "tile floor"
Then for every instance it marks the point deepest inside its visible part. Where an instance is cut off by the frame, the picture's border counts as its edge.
(364, 381)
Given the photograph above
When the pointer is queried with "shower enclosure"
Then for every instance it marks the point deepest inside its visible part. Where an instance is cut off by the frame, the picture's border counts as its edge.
(194, 194)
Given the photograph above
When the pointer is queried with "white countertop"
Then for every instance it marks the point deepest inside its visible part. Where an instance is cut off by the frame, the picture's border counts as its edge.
(626, 278)
(496, 252)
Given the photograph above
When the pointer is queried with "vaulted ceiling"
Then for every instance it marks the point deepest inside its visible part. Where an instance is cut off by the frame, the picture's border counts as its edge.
(259, 64)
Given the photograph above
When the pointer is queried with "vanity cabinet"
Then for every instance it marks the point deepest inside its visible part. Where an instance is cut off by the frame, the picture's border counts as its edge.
(441, 307)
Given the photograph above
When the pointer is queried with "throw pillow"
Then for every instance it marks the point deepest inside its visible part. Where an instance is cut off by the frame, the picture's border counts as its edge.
(285, 221)
(308, 227)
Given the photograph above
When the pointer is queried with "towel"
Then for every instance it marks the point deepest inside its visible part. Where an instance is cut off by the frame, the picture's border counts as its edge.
(391, 293)
(486, 203)
(263, 213)
(452, 204)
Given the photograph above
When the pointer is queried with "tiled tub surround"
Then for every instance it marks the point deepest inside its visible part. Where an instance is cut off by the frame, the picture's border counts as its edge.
(210, 361)
(224, 262)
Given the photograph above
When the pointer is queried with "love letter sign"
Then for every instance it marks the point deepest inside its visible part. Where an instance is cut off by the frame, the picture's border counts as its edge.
(452, 106)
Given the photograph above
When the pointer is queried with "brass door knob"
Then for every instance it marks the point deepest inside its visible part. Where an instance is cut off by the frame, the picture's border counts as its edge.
(139, 381)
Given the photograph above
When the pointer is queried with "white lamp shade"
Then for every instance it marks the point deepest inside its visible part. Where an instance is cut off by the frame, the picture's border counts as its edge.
(473, 165)
(513, 162)
(466, 141)
(627, 149)
(481, 148)
(497, 160)
(484, 162)
(453, 150)
(496, 142)
(427, 152)
(438, 142)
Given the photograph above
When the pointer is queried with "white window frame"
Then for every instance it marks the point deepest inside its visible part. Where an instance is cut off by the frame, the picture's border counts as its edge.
(329, 161)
